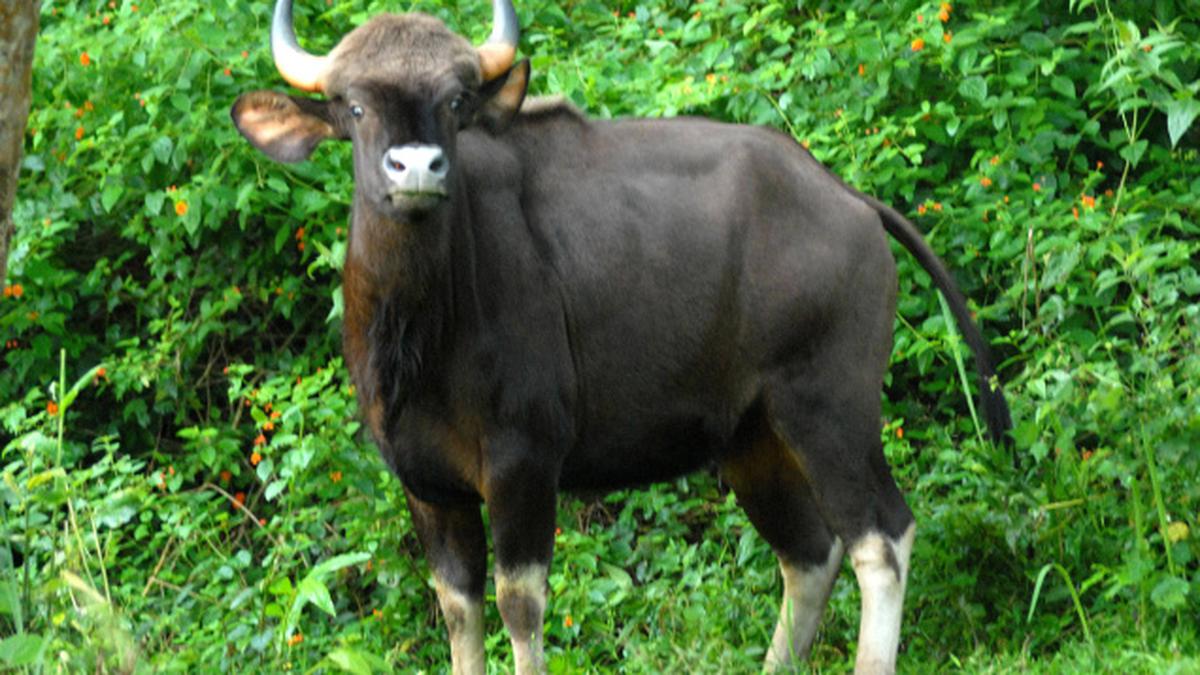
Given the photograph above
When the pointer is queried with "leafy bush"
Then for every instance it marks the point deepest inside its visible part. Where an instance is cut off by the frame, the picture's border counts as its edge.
(199, 497)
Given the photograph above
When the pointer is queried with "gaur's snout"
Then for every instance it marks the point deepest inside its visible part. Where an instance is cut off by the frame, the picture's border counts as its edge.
(416, 168)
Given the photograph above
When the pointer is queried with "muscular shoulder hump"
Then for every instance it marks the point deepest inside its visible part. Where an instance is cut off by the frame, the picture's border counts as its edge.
(546, 106)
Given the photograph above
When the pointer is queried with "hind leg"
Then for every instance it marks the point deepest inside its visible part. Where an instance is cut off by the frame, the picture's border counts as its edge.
(771, 489)
(832, 420)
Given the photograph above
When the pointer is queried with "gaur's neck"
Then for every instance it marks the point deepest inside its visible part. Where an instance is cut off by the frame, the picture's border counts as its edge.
(392, 281)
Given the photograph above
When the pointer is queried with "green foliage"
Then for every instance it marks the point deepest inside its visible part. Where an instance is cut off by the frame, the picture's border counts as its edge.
(201, 497)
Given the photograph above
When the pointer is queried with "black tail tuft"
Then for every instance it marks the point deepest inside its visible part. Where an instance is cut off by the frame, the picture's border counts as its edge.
(995, 411)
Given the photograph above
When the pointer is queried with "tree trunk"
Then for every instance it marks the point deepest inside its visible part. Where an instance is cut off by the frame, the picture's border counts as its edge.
(18, 30)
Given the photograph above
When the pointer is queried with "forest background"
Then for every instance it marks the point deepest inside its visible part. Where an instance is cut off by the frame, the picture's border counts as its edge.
(184, 485)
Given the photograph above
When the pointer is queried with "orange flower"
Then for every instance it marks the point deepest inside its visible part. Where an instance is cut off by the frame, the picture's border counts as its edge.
(1088, 201)
(1075, 212)
(78, 133)
(920, 18)
(133, 8)
(1037, 187)
(862, 70)
(17, 290)
(228, 72)
(568, 621)
(106, 20)
(377, 614)
(937, 206)
(300, 246)
(1099, 165)
(994, 160)
(181, 208)
(262, 522)
(944, 15)
(921, 210)
(260, 440)
(85, 60)
(239, 499)
(335, 476)
(268, 426)
(255, 458)
(51, 408)
(918, 44)
(947, 37)
(225, 476)
(946, 7)
(171, 470)
(985, 181)
(275, 414)
(295, 639)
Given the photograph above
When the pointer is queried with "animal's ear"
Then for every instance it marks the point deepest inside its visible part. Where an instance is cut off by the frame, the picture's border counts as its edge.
(502, 97)
(285, 128)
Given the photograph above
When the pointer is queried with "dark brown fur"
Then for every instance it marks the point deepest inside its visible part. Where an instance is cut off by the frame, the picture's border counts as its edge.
(604, 303)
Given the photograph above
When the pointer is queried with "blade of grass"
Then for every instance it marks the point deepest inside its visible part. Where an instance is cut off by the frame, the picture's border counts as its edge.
(954, 339)
(1066, 576)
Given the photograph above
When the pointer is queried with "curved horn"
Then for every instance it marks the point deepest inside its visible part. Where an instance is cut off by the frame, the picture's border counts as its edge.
(299, 68)
(496, 55)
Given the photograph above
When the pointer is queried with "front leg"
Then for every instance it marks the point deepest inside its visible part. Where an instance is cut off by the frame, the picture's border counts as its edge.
(520, 487)
(454, 543)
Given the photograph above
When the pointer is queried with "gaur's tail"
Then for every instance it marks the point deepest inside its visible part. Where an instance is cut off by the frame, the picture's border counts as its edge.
(994, 407)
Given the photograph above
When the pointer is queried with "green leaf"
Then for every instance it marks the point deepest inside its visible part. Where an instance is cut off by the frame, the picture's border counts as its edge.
(161, 149)
(338, 562)
(83, 381)
(264, 469)
(1133, 152)
(112, 193)
(974, 88)
(22, 649)
(43, 477)
(350, 661)
(281, 586)
(154, 202)
(116, 510)
(1063, 86)
(274, 488)
(1170, 594)
(1180, 115)
(1036, 43)
(314, 591)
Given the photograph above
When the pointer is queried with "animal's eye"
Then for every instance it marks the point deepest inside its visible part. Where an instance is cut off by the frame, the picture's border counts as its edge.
(356, 111)
(456, 103)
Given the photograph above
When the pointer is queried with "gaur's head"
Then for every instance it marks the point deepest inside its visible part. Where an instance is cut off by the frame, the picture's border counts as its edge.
(400, 88)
